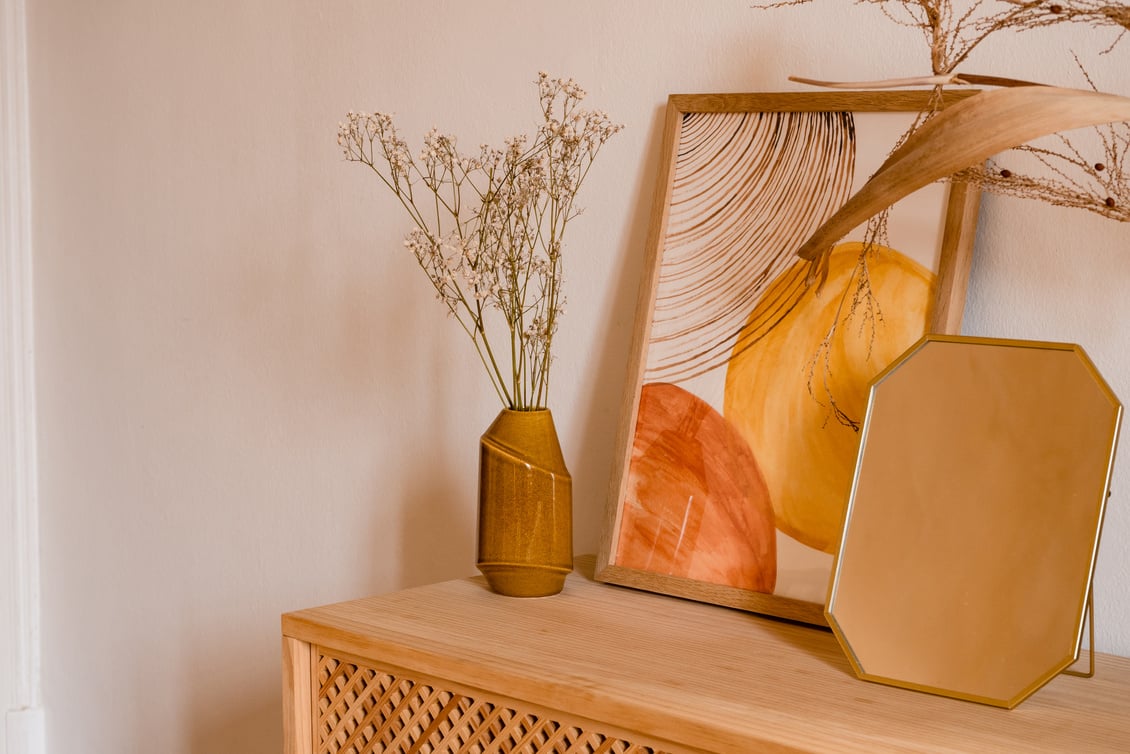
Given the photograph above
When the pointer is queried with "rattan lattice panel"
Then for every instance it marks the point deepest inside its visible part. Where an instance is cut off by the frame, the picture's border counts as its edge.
(361, 710)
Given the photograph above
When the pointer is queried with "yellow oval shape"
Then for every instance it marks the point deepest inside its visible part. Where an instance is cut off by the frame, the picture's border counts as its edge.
(779, 392)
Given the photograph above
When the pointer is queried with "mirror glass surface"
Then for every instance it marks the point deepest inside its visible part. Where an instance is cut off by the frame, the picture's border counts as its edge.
(971, 533)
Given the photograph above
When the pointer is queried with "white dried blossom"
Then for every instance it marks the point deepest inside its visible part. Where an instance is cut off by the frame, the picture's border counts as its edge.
(488, 231)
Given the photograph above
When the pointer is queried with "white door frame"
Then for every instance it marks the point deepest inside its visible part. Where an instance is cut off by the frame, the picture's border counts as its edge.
(23, 721)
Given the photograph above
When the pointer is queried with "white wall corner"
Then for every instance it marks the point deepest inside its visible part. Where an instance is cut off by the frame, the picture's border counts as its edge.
(24, 730)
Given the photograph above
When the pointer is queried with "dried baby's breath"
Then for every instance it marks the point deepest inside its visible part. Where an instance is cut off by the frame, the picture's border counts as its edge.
(489, 225)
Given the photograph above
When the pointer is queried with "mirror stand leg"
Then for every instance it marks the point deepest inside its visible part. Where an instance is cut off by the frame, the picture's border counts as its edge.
(1091, 638)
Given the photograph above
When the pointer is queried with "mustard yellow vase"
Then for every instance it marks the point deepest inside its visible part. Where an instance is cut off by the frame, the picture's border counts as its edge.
(525, 506)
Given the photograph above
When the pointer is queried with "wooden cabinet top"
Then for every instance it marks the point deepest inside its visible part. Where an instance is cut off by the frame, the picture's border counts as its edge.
(700, 676)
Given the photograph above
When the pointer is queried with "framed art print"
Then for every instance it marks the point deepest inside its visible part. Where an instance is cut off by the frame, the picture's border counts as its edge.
(749, 373)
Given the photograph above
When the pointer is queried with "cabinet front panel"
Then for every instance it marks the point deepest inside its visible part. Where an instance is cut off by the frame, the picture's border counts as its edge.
(360, 709)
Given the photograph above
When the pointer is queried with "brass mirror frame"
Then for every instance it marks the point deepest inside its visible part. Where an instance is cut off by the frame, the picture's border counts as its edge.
(970, 536)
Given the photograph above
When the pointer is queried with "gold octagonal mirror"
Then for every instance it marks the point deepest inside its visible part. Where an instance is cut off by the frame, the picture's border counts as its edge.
(971, 533)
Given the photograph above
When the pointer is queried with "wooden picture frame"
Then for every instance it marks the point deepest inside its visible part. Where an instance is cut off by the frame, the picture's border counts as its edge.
(748, 376)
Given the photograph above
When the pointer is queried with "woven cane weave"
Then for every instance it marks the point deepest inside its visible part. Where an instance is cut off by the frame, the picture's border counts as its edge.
(362, 710)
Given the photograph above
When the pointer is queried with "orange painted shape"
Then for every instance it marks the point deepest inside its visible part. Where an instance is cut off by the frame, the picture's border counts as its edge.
(696, 504)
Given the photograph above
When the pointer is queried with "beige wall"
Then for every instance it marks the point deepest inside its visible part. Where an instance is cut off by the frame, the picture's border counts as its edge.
(249, 401)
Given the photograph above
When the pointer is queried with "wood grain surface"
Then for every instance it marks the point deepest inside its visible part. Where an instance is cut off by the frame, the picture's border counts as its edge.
(698, 676)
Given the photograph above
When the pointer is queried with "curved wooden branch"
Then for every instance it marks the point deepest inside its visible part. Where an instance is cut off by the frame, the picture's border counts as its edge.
(962, 135)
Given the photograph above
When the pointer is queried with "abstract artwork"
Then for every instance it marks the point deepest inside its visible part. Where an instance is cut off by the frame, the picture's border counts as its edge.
(749, 381)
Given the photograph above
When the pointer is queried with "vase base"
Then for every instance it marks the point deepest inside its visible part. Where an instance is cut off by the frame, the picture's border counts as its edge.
(513, 580)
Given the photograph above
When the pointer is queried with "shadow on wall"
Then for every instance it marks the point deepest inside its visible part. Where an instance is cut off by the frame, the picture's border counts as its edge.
(438, 531)
(598, 450)
(250, 726)
(435, 499)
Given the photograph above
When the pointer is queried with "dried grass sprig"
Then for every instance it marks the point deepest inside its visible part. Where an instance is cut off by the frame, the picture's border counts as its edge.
(953, 31)
(1070, 176)
(1071, 179)
(1095, 13)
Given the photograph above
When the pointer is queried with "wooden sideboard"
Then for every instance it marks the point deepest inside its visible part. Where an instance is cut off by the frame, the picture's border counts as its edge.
(452, 667)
